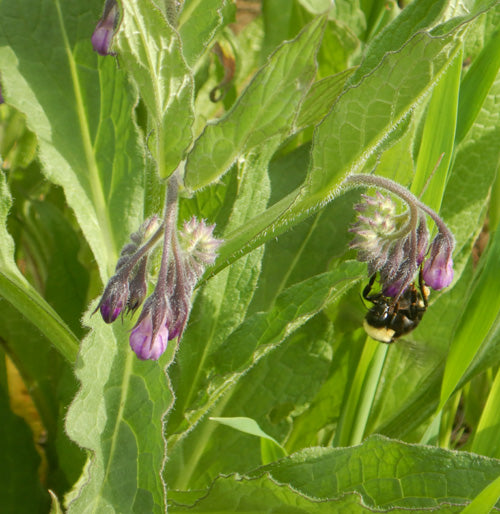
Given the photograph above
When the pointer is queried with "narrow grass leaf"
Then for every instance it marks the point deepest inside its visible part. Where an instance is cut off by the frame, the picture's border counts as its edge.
(15, 289)
(476, 85)
(481, 311)
(267, 108)
(438, 137)
(486, 500)
(487, 438)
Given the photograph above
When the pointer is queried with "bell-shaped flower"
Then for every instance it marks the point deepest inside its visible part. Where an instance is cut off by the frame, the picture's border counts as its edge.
(438, 268)
(149, 337)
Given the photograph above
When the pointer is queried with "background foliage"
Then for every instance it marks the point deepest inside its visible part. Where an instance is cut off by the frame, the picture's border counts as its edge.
(275, 399)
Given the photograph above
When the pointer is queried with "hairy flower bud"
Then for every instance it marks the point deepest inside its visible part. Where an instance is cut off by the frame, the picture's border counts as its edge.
(138, 286)
(114, 298)
(438, 268)
(199, 244)
(103, 33)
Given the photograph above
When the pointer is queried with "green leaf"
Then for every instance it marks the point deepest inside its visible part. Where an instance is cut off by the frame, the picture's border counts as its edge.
(253, 340)
(320, 98)
(150, 50)
(354, 131)
(118, 416)
(486, 441)
(380, 474)
(356, 128)
(438, 137)
(87, 142)
(413, 18)
(20, 487)
(482, 309)
(16, 290)
(222, 303)
(271, 450)
(199, 22)
(486, 500)
(476, 85)
(267, 108)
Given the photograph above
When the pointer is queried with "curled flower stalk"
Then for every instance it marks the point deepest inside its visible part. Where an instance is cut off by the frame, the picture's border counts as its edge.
(166, 311)
(396, 245)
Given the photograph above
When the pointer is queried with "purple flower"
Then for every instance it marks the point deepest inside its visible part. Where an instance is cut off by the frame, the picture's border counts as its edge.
(1, 96)
(145, 342)
(114, 298)
(438, 268)
(149, 337)
(103, 33)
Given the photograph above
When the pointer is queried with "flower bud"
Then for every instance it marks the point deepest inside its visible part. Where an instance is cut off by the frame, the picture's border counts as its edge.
(438, 268)
(103, 33)
(114, 298)
(138, 286)
(199, 244)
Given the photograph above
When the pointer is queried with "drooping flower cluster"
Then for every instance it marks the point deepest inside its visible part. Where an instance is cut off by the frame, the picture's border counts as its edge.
(395, 245)
(166, 310)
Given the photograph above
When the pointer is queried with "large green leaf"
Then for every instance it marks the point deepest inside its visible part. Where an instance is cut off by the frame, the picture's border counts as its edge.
(222, 303)
(87, 142)
(378, 474)
(255, 338)
(118, 416)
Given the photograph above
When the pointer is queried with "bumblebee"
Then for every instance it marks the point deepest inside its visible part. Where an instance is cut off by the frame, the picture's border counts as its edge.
(388, 320)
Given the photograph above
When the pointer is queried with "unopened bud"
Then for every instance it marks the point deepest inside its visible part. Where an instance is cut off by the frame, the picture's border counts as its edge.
(103, 33)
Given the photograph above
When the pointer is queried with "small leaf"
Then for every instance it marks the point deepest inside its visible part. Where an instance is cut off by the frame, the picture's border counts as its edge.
(270, 452)
(199, 21)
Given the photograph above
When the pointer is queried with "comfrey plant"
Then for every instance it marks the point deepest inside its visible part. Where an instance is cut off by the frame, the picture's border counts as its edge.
(395, 245)
(184, 259)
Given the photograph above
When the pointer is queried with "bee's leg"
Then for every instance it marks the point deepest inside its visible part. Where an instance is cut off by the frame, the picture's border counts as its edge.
(368, 288)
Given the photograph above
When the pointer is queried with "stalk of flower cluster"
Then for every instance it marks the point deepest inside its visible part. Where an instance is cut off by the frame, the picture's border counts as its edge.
(169, 224)
(150, 335)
